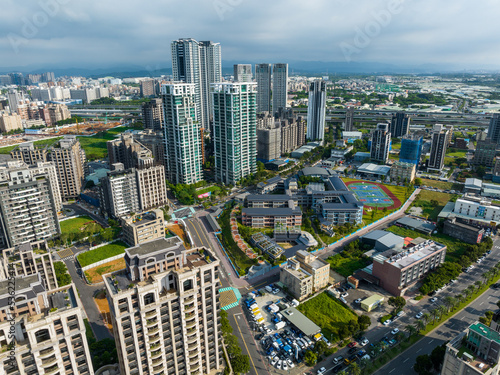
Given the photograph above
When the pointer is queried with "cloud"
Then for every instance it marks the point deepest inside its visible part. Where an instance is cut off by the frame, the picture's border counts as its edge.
(97, 33)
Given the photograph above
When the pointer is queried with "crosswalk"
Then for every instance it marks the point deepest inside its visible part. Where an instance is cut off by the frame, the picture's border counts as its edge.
(69, 257)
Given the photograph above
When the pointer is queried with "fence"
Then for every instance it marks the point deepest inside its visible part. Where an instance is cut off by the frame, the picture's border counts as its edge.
(372, 224)
(103, 244)
(119, 256)
(227, 256)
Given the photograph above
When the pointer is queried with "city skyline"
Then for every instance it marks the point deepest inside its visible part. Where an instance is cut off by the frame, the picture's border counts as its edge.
(399, 33)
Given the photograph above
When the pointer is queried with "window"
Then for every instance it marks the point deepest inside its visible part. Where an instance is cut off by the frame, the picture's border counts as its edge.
(149, 298)
(42, 335)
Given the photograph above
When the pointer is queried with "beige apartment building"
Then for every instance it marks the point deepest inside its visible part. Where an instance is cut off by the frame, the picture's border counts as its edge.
(405, 171)
(30, 154)
(10, 122)
(143, 227)
(318, 268)
(69, 158)
(298, 282)
(165, 309)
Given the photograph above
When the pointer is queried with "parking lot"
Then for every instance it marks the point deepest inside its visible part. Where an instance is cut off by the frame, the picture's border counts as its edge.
(284, 346)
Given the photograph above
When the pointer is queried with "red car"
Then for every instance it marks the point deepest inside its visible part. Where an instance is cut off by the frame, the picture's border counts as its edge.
(352, 344)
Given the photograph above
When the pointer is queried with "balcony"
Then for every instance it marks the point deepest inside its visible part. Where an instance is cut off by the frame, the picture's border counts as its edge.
(46, 352)
(49, 361)
(150, 313)
(152, 331)
(151, 322)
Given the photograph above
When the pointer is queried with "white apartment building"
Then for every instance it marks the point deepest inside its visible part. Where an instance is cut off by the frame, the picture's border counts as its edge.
(182, 134)
(235, 130)
(165, 309)
(477, 208)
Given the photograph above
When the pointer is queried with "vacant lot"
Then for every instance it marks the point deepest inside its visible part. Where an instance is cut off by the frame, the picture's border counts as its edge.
(443, 185)
(101, 253)
(431, 202)
(94, 275)
(179, 231)
(346, 266)
(42, 142)
(328, 313)
(76, 225)
(95, 146)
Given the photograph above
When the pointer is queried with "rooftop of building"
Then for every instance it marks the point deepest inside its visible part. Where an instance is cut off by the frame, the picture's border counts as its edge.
(144, 218)
(410, 255)
(268, 197)
(485, 331)
(464, 225)
(371, 168)
(420, 225)
(316, 171)
(299, 320)
(157, 246)
(272, 180)
(387, 239)
(284, 211)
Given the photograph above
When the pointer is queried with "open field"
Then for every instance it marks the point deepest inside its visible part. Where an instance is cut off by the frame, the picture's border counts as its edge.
(101, 253)
(425, 200)
(179, 231)
(328, 313)
(41, 142)
(94, 275)
(76, 225)
(95, 146)
(443, 185)
(346, 266)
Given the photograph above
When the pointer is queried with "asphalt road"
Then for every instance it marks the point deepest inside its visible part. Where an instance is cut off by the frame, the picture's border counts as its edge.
(403, 363)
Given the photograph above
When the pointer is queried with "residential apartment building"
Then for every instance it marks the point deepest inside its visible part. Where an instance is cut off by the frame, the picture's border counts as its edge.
(263, 78)
(235, 131)
(402, 172)
(198, 63)
(9, 123)
(165, 309)
(438, 147)
(349, 119)
(317, 267)
(58, 112)
(148, 88)
(242, 72)
(485, 153)
(381, 143)
(119, 195)
(411, 149)
(462, 231)
(128, 151)
(280, 86)
(153, 141)
(30, 154)
(48, 328)
(182, 134)
(299, 282)
(27, 206)
(397, 272)
(476, 351)
(268, 144)
(143, 227)
(123, 191)
(152, 114)
(293, 130)
(494, 128)
(316, 110)
(289, 216)
(400, 124)
(29, 259)
(69, 159)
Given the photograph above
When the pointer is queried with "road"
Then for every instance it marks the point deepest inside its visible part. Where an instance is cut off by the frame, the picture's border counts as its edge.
(443, 333)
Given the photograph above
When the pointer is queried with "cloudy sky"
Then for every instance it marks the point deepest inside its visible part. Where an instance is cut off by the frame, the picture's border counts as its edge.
(99, 33)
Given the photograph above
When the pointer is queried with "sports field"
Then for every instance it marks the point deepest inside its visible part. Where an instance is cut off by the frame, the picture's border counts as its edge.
(373, 194)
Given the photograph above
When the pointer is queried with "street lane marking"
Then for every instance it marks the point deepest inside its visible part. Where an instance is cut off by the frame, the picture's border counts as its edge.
(431, 341)
(419, 350)
(406, 360)
(244, 343)
(392, 370)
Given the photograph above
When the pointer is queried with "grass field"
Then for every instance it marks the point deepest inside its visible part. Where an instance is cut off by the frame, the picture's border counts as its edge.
(75, 225)
(443, 185)
(327, 313)
(95, 146)
(214, 189)
(457, 153)
(101, 253)
(42, 142)
(94, 275)
(424, 198)
(455, 248)
(346, 266)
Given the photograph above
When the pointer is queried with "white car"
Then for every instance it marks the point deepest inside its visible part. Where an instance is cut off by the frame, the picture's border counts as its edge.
(394, 331)
(364, 342)
(434, 299)
(387, 322)
(290, 363)
(274, 361)
(278, 364)
(344, 295)
(321, 371)
(357, 301)
(400, 314)
(419, 315)
(285, 366)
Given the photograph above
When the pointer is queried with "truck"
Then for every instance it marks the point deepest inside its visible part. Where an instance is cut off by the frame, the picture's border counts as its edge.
(280, 325)
(268, 289)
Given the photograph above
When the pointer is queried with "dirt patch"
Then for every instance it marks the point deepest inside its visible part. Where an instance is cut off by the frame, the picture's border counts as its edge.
(179, 231)
(102, 304)
(287, 245)
(94, 275)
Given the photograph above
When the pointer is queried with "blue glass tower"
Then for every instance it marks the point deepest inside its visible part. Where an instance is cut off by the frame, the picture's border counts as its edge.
(411, 149)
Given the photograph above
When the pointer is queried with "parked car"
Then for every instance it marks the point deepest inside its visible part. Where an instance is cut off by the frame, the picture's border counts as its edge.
(364, 342)
(419, 315)
(357, 301)
(387, 322)
(344, 295)
(352, 344)
(338, 359)
(400, 314)
(321, 371)
(434, 299)
(394, 331)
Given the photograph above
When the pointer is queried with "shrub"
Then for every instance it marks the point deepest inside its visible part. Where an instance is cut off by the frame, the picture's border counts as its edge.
(385, 318)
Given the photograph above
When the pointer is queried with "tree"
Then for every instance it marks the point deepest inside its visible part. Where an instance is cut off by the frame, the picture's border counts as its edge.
(364, 322)
(486, 319)
(449, 302)
(437, 356)
(355, 369)
(418, 181)
(397, 302)
(225, 326)
(310, 358)
(434, 203)
(62, 275)
(410, 329)
(240, 363)
(423, 365)
(478, 284)
(320, 347)
(420, 325)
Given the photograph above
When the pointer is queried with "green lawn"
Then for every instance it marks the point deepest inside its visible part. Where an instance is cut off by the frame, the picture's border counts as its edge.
(457, 153)
(95, 146)
(42, 142)
(455, 248)
(214, 189)
(346, 266)
(443, 185)
(429, 211)
(75, 225)
(101, 253)
(328, 313)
